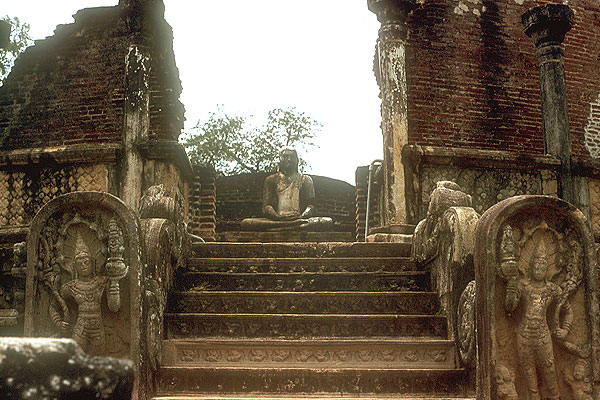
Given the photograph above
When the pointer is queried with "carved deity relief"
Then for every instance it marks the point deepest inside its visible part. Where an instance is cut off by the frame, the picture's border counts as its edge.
(81, 265)
(542, 271)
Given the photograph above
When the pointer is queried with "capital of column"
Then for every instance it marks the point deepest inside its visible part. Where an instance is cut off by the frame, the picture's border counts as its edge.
(391, 11)
(547, 24)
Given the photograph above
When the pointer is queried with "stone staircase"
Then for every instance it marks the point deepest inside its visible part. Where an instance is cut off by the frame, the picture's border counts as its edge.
(306, 320)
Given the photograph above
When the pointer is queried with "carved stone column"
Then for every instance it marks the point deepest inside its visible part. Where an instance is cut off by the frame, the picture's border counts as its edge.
(390, 71)
(547, 26)
(136, 124)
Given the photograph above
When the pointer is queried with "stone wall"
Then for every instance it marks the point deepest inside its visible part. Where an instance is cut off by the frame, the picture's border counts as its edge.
(69, 88)
(240, 197)
(488, 176)
(95, 107)
(473, 79)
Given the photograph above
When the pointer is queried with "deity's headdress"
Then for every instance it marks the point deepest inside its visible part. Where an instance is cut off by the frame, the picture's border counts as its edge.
(81, 248)
(540, 251)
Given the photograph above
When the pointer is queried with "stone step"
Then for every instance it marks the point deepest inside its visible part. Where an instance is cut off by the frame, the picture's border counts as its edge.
(296, 250)
(304, 281)
(332, 396)
(312, 264)
(312, 381)
(304, 303)
(294, 326)
(284, 236)
(310, 353)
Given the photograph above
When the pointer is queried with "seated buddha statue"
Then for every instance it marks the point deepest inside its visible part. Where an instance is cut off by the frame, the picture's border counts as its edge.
(288, 200)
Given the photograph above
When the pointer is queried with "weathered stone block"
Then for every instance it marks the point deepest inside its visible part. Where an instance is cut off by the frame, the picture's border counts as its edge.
(59, 369)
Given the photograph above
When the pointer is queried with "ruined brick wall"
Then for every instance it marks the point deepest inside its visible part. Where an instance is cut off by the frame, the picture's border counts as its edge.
(240, 197)
(68, 88)
(62, 121)
(473, 78)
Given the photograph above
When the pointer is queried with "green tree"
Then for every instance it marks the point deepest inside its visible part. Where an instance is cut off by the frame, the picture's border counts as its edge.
(232, 146)
(19, 41)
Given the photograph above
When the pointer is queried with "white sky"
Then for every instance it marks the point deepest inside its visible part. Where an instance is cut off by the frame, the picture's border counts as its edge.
(253, 56)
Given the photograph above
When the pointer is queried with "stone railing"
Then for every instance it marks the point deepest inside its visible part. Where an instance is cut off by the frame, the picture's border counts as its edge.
(443, 244)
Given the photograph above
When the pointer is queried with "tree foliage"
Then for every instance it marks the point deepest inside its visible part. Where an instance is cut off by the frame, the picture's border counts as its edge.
(19, 41)
(232, 146)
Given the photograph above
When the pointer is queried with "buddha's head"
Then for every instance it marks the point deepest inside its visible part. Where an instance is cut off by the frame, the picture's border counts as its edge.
(288, 161)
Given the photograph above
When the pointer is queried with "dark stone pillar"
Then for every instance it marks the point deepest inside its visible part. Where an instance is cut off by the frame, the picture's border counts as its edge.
(547, 26)
(390, 71)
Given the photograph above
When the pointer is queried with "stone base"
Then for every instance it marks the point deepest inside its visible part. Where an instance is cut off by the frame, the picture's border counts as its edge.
(284, 236)
(389, 238)
(406, 229)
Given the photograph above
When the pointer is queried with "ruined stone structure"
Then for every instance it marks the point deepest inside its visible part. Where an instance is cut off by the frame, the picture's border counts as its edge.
(110, 240)
(460, 90)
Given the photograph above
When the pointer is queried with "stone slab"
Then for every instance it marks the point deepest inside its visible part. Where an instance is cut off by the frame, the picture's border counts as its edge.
(307, 381)
(306, 303)
(328, 353)
(331, 396)
(286, 236)
(389, 238)
(307, 281)
(332, 249)
(406, 229)
(294, 326)
(306, 264)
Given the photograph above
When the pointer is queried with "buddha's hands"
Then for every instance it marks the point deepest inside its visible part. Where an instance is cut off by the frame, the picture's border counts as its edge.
(308, 212)
(290, 217)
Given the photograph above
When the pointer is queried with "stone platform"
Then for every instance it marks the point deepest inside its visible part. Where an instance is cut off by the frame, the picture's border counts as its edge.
(284, 236)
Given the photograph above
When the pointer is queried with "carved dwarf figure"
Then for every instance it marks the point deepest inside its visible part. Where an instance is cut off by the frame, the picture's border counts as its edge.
(288, 199)
(534, 343)
(86, 289)
(505, 379)
(580, 381)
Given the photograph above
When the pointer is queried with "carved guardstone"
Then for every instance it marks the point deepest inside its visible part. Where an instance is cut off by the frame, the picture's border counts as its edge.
(536, 302)
(83, 275)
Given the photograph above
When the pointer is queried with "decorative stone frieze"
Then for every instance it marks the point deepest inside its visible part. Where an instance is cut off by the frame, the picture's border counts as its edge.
(536, 301)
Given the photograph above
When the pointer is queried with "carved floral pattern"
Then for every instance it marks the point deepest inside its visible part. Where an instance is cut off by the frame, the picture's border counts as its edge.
(401, 355)
(308, 282)
(213, 325)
